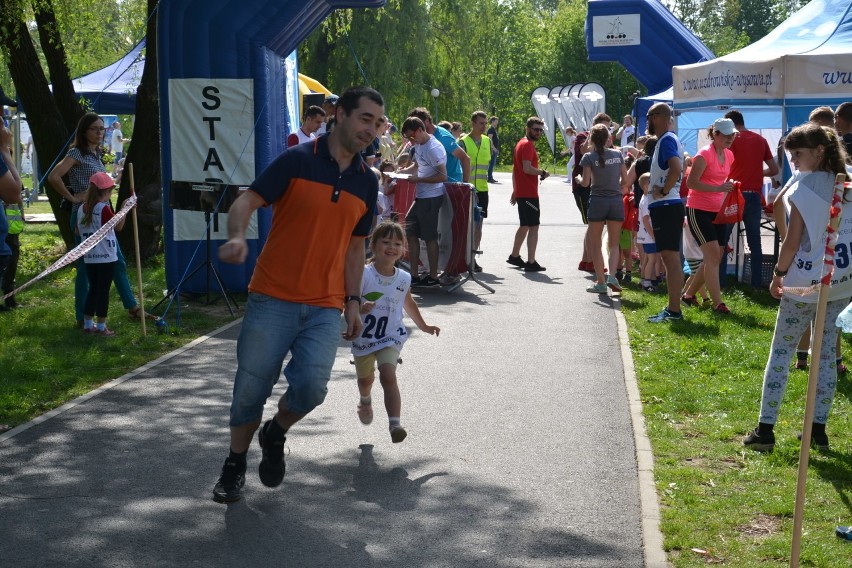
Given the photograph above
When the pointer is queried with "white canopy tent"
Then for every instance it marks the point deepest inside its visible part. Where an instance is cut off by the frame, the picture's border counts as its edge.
(804, 63)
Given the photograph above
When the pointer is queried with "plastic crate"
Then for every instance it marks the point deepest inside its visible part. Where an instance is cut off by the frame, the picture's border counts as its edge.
(766, 268)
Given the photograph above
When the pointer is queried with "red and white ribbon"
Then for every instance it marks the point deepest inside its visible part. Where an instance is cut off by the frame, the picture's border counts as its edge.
(80, 250)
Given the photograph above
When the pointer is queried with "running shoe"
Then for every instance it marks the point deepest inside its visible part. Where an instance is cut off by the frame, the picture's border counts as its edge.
(613, 284)
(272, 467)
(666, 315)
(227, 489)
(722, 309)
(398, 434)
(428, 282)
(818, 441)
(533, 267)
(802, 364)
(516, 261)
(597, 289)
(758, 443)
(689, 300)
(365, 413)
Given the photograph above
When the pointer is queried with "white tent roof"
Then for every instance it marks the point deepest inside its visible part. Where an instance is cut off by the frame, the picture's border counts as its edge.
(806, 59)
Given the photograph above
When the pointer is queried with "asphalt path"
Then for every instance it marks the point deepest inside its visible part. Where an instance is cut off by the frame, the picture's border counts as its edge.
(520, 450)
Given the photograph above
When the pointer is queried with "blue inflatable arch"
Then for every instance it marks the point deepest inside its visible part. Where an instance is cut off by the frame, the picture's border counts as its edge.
(644, 37)
(208, 44)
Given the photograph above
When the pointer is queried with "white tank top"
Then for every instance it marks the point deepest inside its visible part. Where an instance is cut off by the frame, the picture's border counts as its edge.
(812, 194)
(106, 250)
(383, 326)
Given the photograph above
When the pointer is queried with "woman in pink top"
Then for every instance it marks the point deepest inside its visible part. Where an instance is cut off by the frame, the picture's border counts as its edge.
(708, 183)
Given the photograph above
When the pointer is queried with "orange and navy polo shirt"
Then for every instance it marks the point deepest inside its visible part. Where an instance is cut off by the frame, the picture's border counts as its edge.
(316, 210)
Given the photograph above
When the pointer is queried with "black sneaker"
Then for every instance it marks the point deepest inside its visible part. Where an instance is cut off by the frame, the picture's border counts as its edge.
(758, 443)
(516, 261)
(271, 469)
(428, 282)
(534, 267)
(227, 489)
(818, 441)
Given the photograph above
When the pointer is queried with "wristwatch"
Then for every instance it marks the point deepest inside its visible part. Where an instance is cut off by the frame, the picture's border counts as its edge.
(347, 299)
(779, 273)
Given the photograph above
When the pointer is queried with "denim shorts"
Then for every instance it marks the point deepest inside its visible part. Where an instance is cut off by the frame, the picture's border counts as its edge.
(272, 328)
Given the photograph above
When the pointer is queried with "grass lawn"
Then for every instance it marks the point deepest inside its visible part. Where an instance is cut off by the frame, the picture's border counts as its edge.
(701, 382)
(46, 361)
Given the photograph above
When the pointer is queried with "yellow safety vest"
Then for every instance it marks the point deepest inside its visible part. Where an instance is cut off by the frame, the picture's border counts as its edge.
(15, 218)
(480, 157)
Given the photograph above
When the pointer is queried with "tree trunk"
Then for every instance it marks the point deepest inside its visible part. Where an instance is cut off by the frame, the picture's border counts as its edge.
(50, 131)
(144, 154)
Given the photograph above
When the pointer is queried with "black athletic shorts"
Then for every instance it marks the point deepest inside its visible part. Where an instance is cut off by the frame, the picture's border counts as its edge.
(703, 228)
(667, 222)
(528, 211)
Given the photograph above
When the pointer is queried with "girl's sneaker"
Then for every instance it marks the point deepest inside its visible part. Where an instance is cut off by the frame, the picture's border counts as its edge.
(365, 413)
(398, 434)
(689, 300)
(722, 309)
(759, 443)
(597, 289)
(613, 284)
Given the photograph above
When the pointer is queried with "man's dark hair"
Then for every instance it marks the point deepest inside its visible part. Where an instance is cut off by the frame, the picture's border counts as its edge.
(736, 116)
(411, 124)
(478, 114)
(351, 98)
(844, 111)
(421, 113)
(492, 119)
(313, 111)
(533, 120)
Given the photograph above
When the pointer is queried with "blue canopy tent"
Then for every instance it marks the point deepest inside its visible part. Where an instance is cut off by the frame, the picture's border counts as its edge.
(112, 90)
(645, 38)
(228, 86)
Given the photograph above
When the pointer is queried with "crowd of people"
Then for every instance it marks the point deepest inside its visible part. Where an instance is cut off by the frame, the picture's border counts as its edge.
(656, 203)
(677, 218)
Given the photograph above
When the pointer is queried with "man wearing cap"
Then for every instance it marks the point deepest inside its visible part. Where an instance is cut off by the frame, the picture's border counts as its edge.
(328, 105)
(751, 151)
(665, 207)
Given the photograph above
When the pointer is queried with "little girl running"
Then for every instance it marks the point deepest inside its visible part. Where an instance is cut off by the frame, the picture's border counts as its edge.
(386, 290)
(101, 260)
(819, 156)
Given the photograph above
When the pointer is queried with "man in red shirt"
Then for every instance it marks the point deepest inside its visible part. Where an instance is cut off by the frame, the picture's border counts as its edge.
(525, 176)
(751, 151)
(314, 118)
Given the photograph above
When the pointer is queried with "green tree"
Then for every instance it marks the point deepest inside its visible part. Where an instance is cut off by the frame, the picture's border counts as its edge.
(36, 40)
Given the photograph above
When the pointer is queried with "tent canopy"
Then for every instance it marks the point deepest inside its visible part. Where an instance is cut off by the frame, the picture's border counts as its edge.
(644, 37)
(112, 90)
(803, 63)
